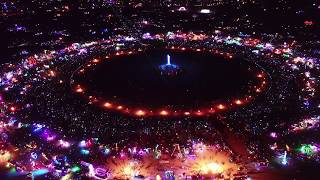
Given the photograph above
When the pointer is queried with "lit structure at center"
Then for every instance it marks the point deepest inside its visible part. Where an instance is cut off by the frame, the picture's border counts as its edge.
(169, 69)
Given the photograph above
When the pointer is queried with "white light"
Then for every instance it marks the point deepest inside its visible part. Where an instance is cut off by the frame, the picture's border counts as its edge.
(168, 60)
(182, 9)
(205, 11)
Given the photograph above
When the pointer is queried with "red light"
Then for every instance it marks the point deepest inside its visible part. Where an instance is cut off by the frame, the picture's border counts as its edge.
(308, 23)
(260, 76)
(79, 90)
(277, 51)
(12, 109)
(199, 113)
(212, 110)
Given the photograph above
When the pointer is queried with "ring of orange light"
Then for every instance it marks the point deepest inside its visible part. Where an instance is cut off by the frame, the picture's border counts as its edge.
(143, 112)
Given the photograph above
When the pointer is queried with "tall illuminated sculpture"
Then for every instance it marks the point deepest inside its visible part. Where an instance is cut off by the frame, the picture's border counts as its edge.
(168, 60)
(169, 69)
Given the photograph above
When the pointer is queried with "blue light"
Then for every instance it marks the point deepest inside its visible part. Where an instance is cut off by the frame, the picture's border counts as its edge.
(84, 152)
(34, 155)
(40, 172)
(168, 60)
(37, 127)
(284, 159)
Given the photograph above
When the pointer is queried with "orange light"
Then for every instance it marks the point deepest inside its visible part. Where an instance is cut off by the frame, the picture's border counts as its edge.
(107, 105)
(187, 113)
(95, 60)
(79, 90)
(164, 113)
(119, 107)
(238, 102)
(14, 79)
(158, 177)
(52, 73)
(140, 113)
(221, 106)
(258, 90)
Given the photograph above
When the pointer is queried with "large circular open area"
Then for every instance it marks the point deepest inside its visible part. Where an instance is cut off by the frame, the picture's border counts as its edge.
(204, 82)
(159, 90)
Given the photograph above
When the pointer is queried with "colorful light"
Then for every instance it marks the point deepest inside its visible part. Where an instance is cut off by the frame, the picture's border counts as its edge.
(284, 160)
(273, 135)
(40, 172)
(64, 144)
(85, 152)
(308, 149)
(75, 169)
(4, 156)
(214, 168)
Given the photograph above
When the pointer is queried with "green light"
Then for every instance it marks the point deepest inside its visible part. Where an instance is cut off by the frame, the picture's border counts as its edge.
(259, 46)
(286, 55)
(307, 149)
(13, 170)
(75, 169)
